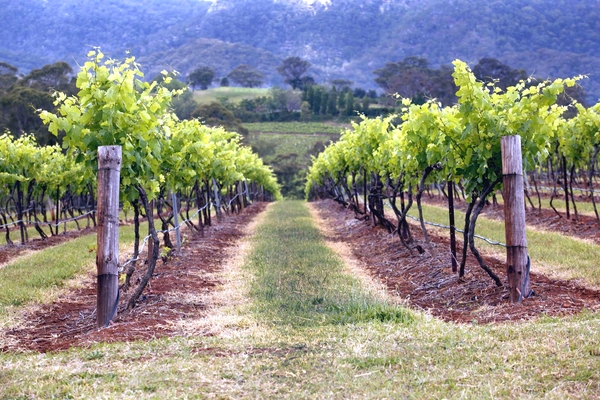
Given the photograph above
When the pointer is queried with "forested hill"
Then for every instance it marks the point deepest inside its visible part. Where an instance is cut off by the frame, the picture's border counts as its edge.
(342, 39)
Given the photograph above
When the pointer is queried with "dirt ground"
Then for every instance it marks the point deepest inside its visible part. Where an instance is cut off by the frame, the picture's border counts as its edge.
(426, 281)
(172, 295)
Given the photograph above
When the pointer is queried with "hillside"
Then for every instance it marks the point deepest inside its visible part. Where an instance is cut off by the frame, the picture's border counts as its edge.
(344, 39)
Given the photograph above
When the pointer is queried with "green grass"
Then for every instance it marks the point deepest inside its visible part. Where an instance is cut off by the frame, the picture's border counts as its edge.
(583, 207)
(300, 281)
(30, 278)
(551, 253)
(332, 354)
(295, 127)
(230, 94)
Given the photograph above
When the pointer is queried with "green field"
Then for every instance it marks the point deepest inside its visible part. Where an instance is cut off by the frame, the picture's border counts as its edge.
(296, 127)
(289, 154)
(298, 323)
(228, 93)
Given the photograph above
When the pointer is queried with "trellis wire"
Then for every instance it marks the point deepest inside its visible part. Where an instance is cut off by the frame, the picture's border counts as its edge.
(490, 241)
(494, 243)
(48, 223)
(122, 267)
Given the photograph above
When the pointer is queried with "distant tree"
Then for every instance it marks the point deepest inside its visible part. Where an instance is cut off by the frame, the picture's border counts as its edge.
(442, 85)
(247, 76)
(215, 114)
(332, 102)
(341, 103)
(202, 77)
(57, 76)
(20, 98)
(360, 93)
(366, 102)
(8, 75)
(224, 82)
(324, 102)
(19, 111)
(350, 104)
(339, 84)
(372, 94)
(307, 81)
(412, 78)
(292, 70)
(492, 70)
(305, 111)
(316, 100)
(285, 100)
(388, 75)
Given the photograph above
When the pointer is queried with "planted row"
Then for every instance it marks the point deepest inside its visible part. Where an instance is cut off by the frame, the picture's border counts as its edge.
(395, 158)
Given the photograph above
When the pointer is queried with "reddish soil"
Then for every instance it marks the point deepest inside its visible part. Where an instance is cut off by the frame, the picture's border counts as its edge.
(70, 321)
(7, 253)
(426, 280)
(584, 227)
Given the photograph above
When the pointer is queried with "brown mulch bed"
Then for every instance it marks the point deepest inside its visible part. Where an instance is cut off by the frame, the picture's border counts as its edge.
(426, 280)
(70, 321)
(584, 227)
(7, 252)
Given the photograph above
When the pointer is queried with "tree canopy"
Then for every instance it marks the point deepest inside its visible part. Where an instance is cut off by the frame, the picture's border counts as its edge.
(246, 76)
(292, 70)
(202, 77)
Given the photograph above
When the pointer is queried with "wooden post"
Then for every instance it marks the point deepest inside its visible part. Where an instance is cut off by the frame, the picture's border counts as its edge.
(176, 216)
(150, 241)
(452, 226)
(242, 195)
(107, 256)
(514, 214)
(217, 199)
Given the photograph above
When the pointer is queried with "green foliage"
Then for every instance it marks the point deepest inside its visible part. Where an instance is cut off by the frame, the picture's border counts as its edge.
(215, 114)
(413, 78)
(183, 103)
(45, 167)
(246, 76)
(202, 77)
(114, 107)
(292, 69)
(464, 140)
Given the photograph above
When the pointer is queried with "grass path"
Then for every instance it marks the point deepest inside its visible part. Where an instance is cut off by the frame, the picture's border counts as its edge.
(292, 321)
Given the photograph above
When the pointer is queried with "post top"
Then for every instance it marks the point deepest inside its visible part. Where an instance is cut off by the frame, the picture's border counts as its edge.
(109, 157)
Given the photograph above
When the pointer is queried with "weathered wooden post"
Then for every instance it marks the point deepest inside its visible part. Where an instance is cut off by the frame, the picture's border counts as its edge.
(517, 262)
(150, 241)
(107, 256)
(217, 199)
(176, 217)
(452, 226)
